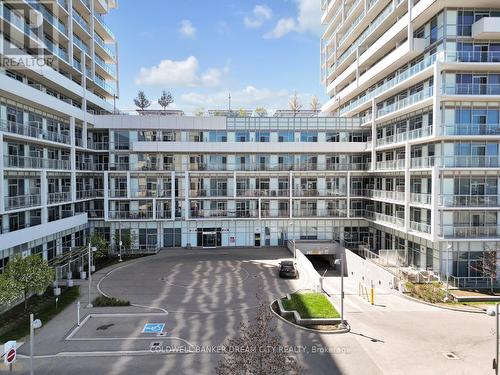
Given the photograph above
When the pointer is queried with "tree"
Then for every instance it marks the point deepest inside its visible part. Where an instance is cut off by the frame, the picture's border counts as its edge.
(242, 113)
(261, 112)
(126, 237)
(294, 103)
(142, 101)
(32, 274)
(165, 100)
(262, 346)
(315, 104)
(99, 242)
(10, 291)
(486, 266)
(199, 112)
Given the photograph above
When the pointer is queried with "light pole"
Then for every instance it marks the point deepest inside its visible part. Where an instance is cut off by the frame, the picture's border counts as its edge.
(34, 324)
(341, 262)
(448, 248)
(91, 250)
(494, 312)
(120, 254)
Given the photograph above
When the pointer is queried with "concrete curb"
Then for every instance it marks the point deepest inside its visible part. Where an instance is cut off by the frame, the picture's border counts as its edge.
(471, 311)
(300, 321)
(331, 332)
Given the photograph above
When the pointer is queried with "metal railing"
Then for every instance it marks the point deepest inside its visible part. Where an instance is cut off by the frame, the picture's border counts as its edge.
(462, 200)
(420, 198)
(33, 130)
(22, 201)
(472, 89)
(59, 197)
(470, 129)
(420, 227)
(468, 231)
(410, 100)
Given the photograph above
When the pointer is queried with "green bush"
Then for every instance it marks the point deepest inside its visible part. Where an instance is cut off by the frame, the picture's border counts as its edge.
(103, 301)
(310, 305)
(429, 292)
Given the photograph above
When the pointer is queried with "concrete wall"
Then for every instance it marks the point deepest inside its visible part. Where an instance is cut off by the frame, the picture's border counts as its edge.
(366, 272)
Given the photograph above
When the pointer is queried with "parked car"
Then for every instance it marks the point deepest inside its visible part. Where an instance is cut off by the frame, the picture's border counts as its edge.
(288, 269)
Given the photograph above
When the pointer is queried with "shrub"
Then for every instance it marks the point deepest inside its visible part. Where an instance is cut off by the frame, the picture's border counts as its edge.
(429, 292)
(104, 301)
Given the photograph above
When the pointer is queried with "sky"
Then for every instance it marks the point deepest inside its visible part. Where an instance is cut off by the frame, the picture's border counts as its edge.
(200, 51)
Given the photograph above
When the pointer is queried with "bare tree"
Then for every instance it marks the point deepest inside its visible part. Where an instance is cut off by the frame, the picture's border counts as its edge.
(262, 352)
(294, 103)
(165, 100)
(199, 112)
(261, 111)
(486, 266)
(142, 101)
(315, 104)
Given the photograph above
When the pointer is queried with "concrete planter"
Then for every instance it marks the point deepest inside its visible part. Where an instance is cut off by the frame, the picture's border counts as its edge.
(69, 275)
(92, 269)
(57, 291)
(69, 283)
(83, 275)
(305, 321)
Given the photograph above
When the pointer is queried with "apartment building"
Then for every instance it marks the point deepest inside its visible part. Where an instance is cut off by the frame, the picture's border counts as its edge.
(403, 158)
(424, 78)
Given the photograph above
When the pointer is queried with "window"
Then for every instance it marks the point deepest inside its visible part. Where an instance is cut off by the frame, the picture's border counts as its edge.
(218, 136)
(242, 136)
(286, 136)
(309, 137)
(262, 136)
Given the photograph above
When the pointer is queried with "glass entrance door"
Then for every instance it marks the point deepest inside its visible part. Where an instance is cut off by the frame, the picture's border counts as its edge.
(209, 239)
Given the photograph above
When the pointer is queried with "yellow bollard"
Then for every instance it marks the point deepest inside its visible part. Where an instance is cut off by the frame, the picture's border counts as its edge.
(372, 295)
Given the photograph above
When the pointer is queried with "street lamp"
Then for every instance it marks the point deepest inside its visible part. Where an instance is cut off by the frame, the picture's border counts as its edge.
(34, 324)
(120, 254)
(341, 262)
(91, 250)
(448, 247)
(493, 311)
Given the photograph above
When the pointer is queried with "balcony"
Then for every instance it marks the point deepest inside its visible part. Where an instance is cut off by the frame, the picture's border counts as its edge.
(34, 131)
(377, 216)
(101, 22)
(386, 194)
(262, 192)
(131, 215)
(402, 137)
(468, 231)
(58, 197)
(391, 165)
(486, 28)
(210, 193)
(420, 227)
(208, 213)
(422, 162)
(472, 89)
(118, 193)
(23, 201)
(457, 200)
(406, 102)
(275, 213)
(14, 161)
(89, 194)
(81, 21)
(472, 56)
(470, 129)
(420, 198)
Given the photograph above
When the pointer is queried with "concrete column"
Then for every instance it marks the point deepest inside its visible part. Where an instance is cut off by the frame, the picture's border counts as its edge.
(348, 184)
(43, 193)
(2, 178)
(410, 24)
(186, 194)
(290, 192)
(92, 44)
(436, 100)
(434, 203)
(128, 185)
(172, 195)
(374, 134)
(234, 185)
(70, 32)
(407, 186)
(72, 126)
(154, 209)
(106, 196)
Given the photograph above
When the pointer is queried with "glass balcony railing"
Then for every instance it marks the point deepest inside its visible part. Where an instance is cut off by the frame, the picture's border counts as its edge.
(106, 67)
(456, 161)
(386, 194)
(390, 165)
(15, 19)
(420, 198)
(81, 21)
(49, 17)
(33, 130)
(58, 197)
(398, 78)
(468, 231)
(470, 129)
(14, 161)
(80, 44)
(410, 100)
(402, 137)
(460, 200)
(377, 216)
(420, 227)
(472, 89)
(209, 213)
(473, 56)
(102, 83)
(99, 19)
(23, 201)
(131, 215)
(100, 42)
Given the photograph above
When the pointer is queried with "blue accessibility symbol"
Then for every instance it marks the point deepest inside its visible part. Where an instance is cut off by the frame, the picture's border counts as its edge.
(153, 328)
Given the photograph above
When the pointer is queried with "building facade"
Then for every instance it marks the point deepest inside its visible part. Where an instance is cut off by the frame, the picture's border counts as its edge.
(403, 158)
(424, 77)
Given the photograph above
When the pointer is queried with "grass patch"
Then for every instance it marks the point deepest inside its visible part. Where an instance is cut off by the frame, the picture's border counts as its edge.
(103, 301)
(310, 305)
(14, 323)
(430, 292)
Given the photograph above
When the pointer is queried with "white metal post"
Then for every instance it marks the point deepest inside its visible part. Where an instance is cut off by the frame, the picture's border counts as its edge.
(342, 289)
(497, 345)
(32, 332)
(78, 313)
(89, 305)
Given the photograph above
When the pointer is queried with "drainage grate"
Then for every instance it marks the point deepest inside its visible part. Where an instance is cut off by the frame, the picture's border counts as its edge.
(155, 344)
(450, 355)
(161, 334)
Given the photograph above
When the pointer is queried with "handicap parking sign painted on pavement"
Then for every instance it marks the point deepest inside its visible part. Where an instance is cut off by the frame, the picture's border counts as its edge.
(153, 328)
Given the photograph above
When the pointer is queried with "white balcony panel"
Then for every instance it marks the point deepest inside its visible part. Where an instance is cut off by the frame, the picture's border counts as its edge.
(486, 28)
(248, 147)
(157, 122)
(18, 237)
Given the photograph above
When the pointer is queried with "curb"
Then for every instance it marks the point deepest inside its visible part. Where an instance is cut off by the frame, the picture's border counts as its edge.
(471, 311)
(331, 332)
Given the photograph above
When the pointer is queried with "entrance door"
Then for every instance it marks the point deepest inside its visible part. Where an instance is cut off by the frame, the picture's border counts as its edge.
(209, 239)
(257, 240)
(480, 85)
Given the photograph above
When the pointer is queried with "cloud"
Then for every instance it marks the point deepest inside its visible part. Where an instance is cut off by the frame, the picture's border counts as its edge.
(260, 14)
(184, 73)
(307, 21)
(249, 97)
(187, 29)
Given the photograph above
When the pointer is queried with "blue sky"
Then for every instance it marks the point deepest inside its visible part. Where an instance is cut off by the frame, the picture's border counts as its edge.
(202, 50)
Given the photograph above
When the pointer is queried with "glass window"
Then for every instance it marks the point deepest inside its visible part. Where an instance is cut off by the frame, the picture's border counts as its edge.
(286, 136)
(261, 136)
